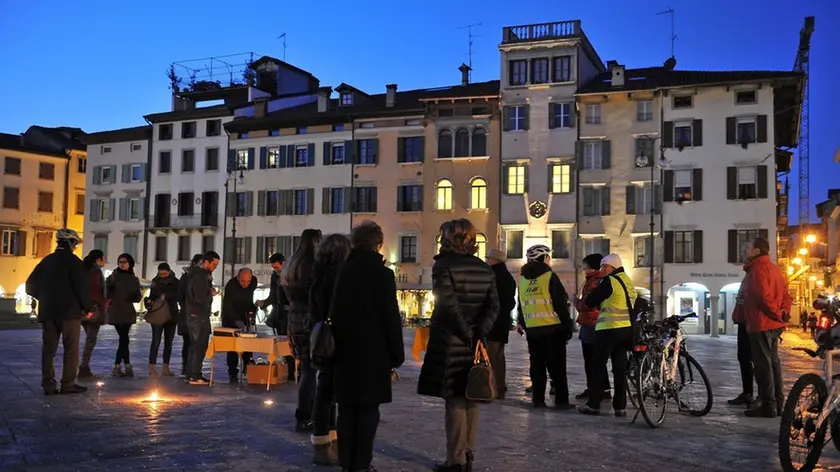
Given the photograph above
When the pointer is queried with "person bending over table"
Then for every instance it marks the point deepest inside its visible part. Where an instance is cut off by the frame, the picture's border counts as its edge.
(237, 309)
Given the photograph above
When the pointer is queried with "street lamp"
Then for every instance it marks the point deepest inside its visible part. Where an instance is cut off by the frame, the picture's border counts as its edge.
(797, 261)
(233, 168)
(811, 238)
(803, 251)
(644, 160)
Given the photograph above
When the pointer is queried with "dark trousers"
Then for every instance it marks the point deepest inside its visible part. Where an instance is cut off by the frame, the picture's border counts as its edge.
(357, 425)
(91, 333)
(548, 352)
(745, 360)
(323, 410)
(590, 367)
(496, 353)
(611, 345)
(290, 366)
(767, 367)
(167, 332)
(69, 332)
(233, 362)
(122, 345)
(199, 327)
(185, 352)
(306, 390)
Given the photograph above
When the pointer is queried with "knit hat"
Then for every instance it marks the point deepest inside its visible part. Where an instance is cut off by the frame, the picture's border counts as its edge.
(164, 266)
(593, 261)
(612, 260)
(497, 254)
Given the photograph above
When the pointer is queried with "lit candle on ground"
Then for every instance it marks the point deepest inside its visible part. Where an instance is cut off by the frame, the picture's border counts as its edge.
(268, 402)
(100, 384)
(154, 396)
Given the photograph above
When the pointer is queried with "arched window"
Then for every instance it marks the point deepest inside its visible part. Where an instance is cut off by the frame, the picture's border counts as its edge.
(479, 143)
(443, 195)
(445, 143)
(481, 242)
(478, 194)
(462, 143)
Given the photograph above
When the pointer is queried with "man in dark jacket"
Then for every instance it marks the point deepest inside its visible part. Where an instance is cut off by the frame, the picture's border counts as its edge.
(237, 309)
(200, 293)
(183, 330)
(279, 317)
(59, 283)
(499, 334)
(544, 317)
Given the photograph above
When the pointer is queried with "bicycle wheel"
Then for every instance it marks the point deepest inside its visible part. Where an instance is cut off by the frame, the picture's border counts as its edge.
(651, 388)
(799, 422)
(690, 374)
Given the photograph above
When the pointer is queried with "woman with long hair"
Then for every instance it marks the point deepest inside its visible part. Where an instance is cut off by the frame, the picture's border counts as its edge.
(93, 262)
(466, 307)
(331, 253)
(123, 288)
(297, 279)
(164, 285)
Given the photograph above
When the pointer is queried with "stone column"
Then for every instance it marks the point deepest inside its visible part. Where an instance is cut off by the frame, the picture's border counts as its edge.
(714, 315)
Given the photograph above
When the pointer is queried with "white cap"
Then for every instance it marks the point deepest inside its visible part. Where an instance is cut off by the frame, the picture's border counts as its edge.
(612, 260)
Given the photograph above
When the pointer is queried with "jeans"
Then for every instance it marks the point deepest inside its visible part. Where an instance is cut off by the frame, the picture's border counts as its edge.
(548, 352)
(185, 352)
(357, 425)
(167, 332)
(589, 366)
(306, 390)
(461, 429)
(91, 333)
(68, 331)
(199, 327)
(323, 410)
(745, 360)
(611, 345)
(768, 368)
(122, 346)
(496, 353)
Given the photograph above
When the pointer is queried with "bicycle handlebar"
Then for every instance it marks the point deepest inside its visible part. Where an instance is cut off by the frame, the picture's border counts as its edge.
(810, 352)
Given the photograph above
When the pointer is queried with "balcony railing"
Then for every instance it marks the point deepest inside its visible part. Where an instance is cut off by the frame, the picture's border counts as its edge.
(541, 32)
(185, 222)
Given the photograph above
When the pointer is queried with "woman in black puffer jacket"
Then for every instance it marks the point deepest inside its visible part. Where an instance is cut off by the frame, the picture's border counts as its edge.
(123, 288)
(466, 307)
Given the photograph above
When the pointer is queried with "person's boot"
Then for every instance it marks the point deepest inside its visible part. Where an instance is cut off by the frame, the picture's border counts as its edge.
(86, 374)
(763, 410)
(50, 389)
(129, 370)
(323, 452)
(743, 399)
(583, 396)
(233, 376)
(165, 371)
(303, 426)
(607, 397)
(72, 388)
(470, 456)
(153, 372)
(117, 372)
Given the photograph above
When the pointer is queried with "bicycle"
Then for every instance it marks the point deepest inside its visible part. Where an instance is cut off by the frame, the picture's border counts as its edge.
(665, 370)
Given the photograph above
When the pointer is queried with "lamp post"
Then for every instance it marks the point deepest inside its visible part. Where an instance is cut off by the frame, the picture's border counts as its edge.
(642, 160)
(234, 167)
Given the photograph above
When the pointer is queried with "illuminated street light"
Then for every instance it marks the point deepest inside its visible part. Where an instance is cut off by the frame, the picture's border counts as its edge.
(797, 261)
(790, 270)
(811, 238)
(812, 278)
(820, 283)
(803, 251)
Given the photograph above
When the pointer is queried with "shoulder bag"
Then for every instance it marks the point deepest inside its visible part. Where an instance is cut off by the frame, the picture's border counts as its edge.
(321, 340)
(481, 387)
(158, 314)
(634, 318)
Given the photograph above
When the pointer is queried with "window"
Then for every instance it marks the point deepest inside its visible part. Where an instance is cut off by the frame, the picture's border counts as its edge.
(11, 198)
(683, 247)
(596, 246)
(81, 165)
(185, 204)
(160, 248)
(561, 175)
(561, 242)
(134, 209)
(745, 97)
(272, 203)
(46, 171)
(335, 203)
(266, 246)
(165, 132)
(100, 241)
(368, 150)
(462, 142)
(365, 199)
(338, 127)
(211, 159)
(478, 194)
(479, 143)
(683, 185)
(639, 199)
(518, 72)
(346, 99)
(106, 174)
(136, 147)
(241, 159)
(408, 249)
(43, 244)
(746, 130)
(563, 69)
(188, 129)
(214, 127)
(644, 148)
(643, 251)
(130, 245)
(644, 110)
(337, 156)
(80, 204)
(104, 205)
(242, 204)
(593, 113)
(410, 198)
(240, 250)
(515, 180)
(11, 165)
(164, 162)
(561, 115)
(105, 149)
(272, 158)
(10, 243)
(243, 135)
(302, 130)
(443, 195)
(45, 202)
(539, 71)
(516, 118)
(188, 160)
(596, 201)
(411, 149)
(514, 242)
(301, 156)
(208, 243)
(184, 250)
(592, 155)
(300, 201)
(747, 183)
(136, 173)
(444, 143)
(481, 245)
(745, 238)
(682, 134)
(682, 101)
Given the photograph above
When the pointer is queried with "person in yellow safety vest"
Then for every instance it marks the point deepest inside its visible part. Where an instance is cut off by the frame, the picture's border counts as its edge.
(613, 333)
(548, 327)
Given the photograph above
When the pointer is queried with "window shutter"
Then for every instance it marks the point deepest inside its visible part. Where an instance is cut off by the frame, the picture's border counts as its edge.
(606, 154)
(310, 201)
(572, 115)
(526, 114)
(230, 205)
(761, 184)
(261, 203)
(657, 199)
(669, 247)
(668, 190)
(400, 199)
(605, 245)
(310, 155)
(668, 134)
(112, 208)
(631, 200)
(588, 201)
(605, 200)
(281, 157)
(123, 209)
(126, 173)
(143, 172)
(263, 157)
(572, 179)
(249, 204)
(375, 145)
(550, 181)
(113, 174)
(421, 146)
(731, 183)
(281, 202)
(350, 152)
(291, 157)
(697, 241)
(21, 243)
(248, 246)
(505, 178)
(231, 165)
(732, 246)
(761, 128)
(349, 200)
(697, 133)
(374, 199)
(762, 233)
(327, 152)
(697, 185)
(142, 203)
(525, 177)
(551, 108)
(94, 210)
(400, 149)
(251, 158)
(260, 250)
(730, 130)
(325, 201)
(506, 119)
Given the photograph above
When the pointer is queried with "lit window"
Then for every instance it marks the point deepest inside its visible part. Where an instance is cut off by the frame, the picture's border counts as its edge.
(478, 194)
(481, 243)
(443, 195)
(560, 178)
(515, 180)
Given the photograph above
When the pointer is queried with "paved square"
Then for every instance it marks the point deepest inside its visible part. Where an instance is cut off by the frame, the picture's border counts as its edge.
(227, 428)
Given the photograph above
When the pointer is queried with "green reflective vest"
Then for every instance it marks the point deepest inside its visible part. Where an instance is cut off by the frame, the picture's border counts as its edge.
(535, 300)
(614, 310)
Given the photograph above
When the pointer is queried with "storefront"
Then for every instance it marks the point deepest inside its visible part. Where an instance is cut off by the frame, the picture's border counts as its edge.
(415, 304)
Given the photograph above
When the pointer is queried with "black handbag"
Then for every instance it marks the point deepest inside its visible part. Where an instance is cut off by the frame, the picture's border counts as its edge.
(481, 386)
(321, 340)
(158, 313)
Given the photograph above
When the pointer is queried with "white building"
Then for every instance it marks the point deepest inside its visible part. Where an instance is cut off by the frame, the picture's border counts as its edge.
(117, 183)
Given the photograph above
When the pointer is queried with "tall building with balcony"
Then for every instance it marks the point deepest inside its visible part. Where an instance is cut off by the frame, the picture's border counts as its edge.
(116, 203)
(542, 67)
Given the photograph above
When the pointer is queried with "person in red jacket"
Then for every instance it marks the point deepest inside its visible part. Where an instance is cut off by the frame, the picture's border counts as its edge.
(587, 319)
(765, 302)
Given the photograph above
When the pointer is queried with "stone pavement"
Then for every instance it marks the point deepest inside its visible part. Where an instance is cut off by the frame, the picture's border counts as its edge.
(226, 428)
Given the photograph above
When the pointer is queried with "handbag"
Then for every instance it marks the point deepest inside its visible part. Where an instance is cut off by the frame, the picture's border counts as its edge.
(158, 314)
(481, 386)
(321, 340)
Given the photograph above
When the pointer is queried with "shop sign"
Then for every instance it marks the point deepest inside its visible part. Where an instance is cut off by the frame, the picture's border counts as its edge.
(715, 275)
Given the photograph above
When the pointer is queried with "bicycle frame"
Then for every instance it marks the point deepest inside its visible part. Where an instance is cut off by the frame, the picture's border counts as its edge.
(833, 400)
(671, 373)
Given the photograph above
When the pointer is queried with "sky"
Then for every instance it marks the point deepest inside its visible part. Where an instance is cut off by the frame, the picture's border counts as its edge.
(101, 65)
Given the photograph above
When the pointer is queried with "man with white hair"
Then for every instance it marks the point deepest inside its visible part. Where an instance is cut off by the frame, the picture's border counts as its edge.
(615, 297)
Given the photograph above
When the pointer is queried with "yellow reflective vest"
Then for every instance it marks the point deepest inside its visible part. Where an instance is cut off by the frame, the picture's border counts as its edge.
(535, 301)
(614, 310)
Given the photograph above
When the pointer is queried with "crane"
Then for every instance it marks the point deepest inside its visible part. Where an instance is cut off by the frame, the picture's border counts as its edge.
(802, 64)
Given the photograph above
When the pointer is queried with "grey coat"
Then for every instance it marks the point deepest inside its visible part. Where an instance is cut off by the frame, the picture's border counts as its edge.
(123, 289)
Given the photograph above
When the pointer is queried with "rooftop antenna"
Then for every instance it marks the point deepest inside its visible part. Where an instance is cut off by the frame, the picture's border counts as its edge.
(470, 37)
(670, 11)
(283, 37)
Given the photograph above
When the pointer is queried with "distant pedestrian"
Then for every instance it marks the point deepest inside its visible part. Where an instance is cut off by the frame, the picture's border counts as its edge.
(123, 288)
(93, 263)
(200, 293)
(499, 335)
(812, 323)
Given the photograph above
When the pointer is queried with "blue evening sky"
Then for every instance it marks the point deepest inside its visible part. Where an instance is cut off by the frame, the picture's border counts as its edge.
(100, 64)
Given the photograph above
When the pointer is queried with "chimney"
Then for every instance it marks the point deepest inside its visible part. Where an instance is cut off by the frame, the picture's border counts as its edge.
(260, 107)
(616, 74)
(390, 95)
(324, 99)
(465, 73)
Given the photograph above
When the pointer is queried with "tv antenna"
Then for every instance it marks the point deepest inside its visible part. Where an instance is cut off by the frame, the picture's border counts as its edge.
(670, 11)
(283, 37)
(471, 37)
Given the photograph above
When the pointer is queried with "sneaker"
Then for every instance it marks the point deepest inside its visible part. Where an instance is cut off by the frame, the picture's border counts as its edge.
(762, 411)
(117, 372)
(73, 388)
(620, 413)
(86, 374)
(582, 396)
(129, 370)
(741, 400)
(564, 406)
(199, 381)
(587, 410)
(51, 389)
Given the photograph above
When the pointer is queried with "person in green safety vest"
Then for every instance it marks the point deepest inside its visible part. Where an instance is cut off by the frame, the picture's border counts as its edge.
(613, 333)
(548, 327)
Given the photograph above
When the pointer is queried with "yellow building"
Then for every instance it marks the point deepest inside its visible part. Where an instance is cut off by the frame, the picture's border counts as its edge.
(43, 189)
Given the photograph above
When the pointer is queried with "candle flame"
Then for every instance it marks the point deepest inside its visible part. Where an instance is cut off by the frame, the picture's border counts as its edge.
(268, 402)
(154, 396)
(100, 384)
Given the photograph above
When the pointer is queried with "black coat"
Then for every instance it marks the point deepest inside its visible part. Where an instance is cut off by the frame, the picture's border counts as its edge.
(279, 304)
(367, 330)
(237, 302)
(167, 287)
(123, 288)
(297, 293)
(60, 284)
(466, 307)
(321, 293)
(506, 288)
(183, 285)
